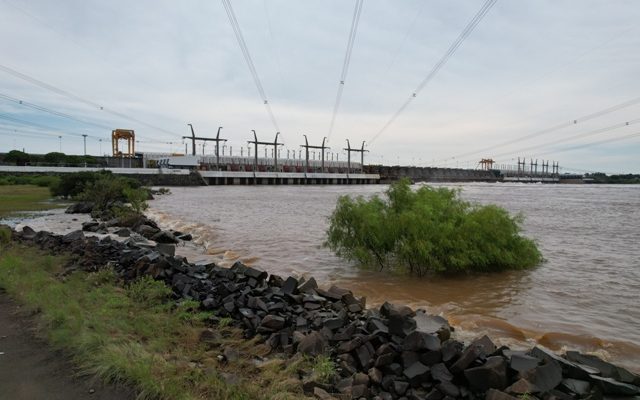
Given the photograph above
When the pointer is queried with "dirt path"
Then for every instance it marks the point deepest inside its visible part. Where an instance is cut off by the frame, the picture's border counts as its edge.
(30, 370)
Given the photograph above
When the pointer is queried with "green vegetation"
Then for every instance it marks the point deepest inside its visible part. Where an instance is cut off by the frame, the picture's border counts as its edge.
(138, 336)
(107, 191)
(54, 158)
(429, 230)
(18, 198)
(599, 177)
(324, 368)
(37, 180)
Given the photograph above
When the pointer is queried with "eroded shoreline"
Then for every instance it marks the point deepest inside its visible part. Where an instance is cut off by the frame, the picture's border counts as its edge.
(398, 351)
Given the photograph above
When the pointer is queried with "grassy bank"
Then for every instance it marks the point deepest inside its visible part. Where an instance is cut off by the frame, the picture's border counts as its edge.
(18, 198)
(138, 335)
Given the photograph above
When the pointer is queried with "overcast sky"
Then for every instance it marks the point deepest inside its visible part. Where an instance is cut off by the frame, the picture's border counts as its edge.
(528, 66)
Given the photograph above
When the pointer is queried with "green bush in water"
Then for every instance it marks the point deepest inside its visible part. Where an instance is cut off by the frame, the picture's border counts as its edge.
(430, 229)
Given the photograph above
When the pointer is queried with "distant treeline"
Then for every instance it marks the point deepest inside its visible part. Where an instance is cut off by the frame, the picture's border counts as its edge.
(600, 177)
(17, 157)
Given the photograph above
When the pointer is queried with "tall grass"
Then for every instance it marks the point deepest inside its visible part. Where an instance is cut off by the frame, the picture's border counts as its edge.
(138, 335)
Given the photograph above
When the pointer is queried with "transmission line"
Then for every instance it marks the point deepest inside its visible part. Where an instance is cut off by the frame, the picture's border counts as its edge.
(50, 111)
(9, 117)
(569, 138)
(555, 128)
(72, 96)
(37, 125)
(404, 39)
(610, 140)
(436, 68)
(345, 63)
(247, 57)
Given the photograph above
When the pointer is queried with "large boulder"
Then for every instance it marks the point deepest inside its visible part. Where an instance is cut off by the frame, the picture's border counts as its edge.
(490, 375)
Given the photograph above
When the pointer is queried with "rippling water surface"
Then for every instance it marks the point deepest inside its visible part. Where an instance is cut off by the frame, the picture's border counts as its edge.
(585, 296)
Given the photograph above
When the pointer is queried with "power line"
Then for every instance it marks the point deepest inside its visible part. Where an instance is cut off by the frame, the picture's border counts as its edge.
(436, 68)
(566, 139)
(72, 96)
(37, 125)
(345, 63)
(581, 146)
(47, 127)
(274, 44)
(9, 129)
(50, 111)
(247, 57)
(555, 128)
(404, 39)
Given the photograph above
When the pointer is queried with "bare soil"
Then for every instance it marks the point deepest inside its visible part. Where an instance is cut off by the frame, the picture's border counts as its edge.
(31, 370)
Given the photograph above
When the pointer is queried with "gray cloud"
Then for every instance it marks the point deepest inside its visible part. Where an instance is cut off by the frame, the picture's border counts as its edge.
(527, 66)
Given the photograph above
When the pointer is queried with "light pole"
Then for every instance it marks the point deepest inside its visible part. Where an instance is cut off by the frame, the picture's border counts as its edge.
(100, 144)
(60, 139)
(84, 138)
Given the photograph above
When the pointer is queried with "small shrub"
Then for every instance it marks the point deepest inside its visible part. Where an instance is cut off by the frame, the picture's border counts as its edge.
(45, 181)
(324, 368)
(137, 198)
(5, 234)
(149, 292)
(429, 230)
(71, 185)
(105, 276)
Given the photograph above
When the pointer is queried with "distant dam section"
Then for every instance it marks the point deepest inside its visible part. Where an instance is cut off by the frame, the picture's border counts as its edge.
(370, 174)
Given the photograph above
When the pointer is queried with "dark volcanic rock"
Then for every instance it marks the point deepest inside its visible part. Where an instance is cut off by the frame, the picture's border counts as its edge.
(272, 322)
(290, 285)
(147, 231)
(493, 394)
(420, 341)
(123, 232)
(73, 236)
(164, 237)
(546, 376)
(491, 375)
(313, 344)
(90, 226)
(28, 232)
(439, 372)
(166, 249)
(576, 386)
(606, 369)
(80, 208)
(308, 286)
(523, 363)
(433, 324)
(417, 373)
(613, 387)
(522, 386)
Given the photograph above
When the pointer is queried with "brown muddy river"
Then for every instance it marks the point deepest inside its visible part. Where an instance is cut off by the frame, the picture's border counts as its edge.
(585, 296)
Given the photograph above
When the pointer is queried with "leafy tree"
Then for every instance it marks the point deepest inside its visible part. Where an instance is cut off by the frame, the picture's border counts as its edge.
(428, 230)
(55, 158)
(17, 156)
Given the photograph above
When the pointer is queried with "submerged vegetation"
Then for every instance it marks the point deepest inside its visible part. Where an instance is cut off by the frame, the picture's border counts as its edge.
(429, 230)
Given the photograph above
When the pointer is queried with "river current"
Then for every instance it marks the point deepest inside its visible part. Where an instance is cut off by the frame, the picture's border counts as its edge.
(585, 296)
